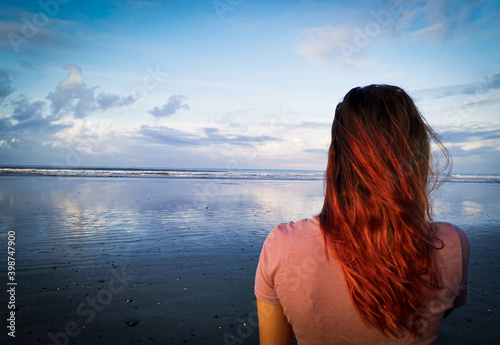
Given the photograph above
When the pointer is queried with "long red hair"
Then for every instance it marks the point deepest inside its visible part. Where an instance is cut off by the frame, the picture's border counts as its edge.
(376, 216)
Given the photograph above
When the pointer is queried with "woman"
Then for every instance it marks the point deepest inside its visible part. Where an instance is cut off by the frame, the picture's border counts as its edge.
(372, 267)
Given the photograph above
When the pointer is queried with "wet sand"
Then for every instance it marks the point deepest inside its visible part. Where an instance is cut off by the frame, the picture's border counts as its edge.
(172, 261)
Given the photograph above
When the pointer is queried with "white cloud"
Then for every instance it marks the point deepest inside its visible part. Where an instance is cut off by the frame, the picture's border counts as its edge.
(108, 100)
(475, 143)
(87, 136)
(460, 20)
(74, 96)
(325, 45)
(428, 21)
(14, 40)
(353, 33)
(71, 94)
(174, 103)
(434, 32)
(211, 136)
(74, 79)
(28, 117)
(3, 143)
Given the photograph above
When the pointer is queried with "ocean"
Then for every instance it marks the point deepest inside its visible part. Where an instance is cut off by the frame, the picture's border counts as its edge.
(210, 174)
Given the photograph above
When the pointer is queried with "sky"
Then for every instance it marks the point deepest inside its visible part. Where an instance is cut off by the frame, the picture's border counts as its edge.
(237, 84)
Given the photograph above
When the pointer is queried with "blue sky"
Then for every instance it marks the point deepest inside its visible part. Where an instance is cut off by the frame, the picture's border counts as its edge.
(236, 83)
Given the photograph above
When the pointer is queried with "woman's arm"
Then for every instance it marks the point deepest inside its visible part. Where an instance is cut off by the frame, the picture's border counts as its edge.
(274, 328)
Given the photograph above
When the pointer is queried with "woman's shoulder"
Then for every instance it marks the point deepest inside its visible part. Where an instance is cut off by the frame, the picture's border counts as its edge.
(304, 227)
(292, 232)
(451, 240)
(291, 244)
(450, 232)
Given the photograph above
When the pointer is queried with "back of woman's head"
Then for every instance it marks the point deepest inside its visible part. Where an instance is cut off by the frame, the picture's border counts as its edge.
(376, 214)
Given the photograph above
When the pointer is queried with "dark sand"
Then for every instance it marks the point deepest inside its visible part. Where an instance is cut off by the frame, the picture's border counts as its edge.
(172, 261)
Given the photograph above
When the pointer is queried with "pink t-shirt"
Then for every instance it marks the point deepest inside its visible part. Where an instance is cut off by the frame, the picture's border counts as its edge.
(293, 271)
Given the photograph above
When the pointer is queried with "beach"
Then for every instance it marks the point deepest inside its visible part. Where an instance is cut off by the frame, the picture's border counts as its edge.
(131, 260)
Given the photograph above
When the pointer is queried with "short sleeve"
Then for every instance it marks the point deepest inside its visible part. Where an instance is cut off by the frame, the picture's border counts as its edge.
(464, 284)
(264, 277)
